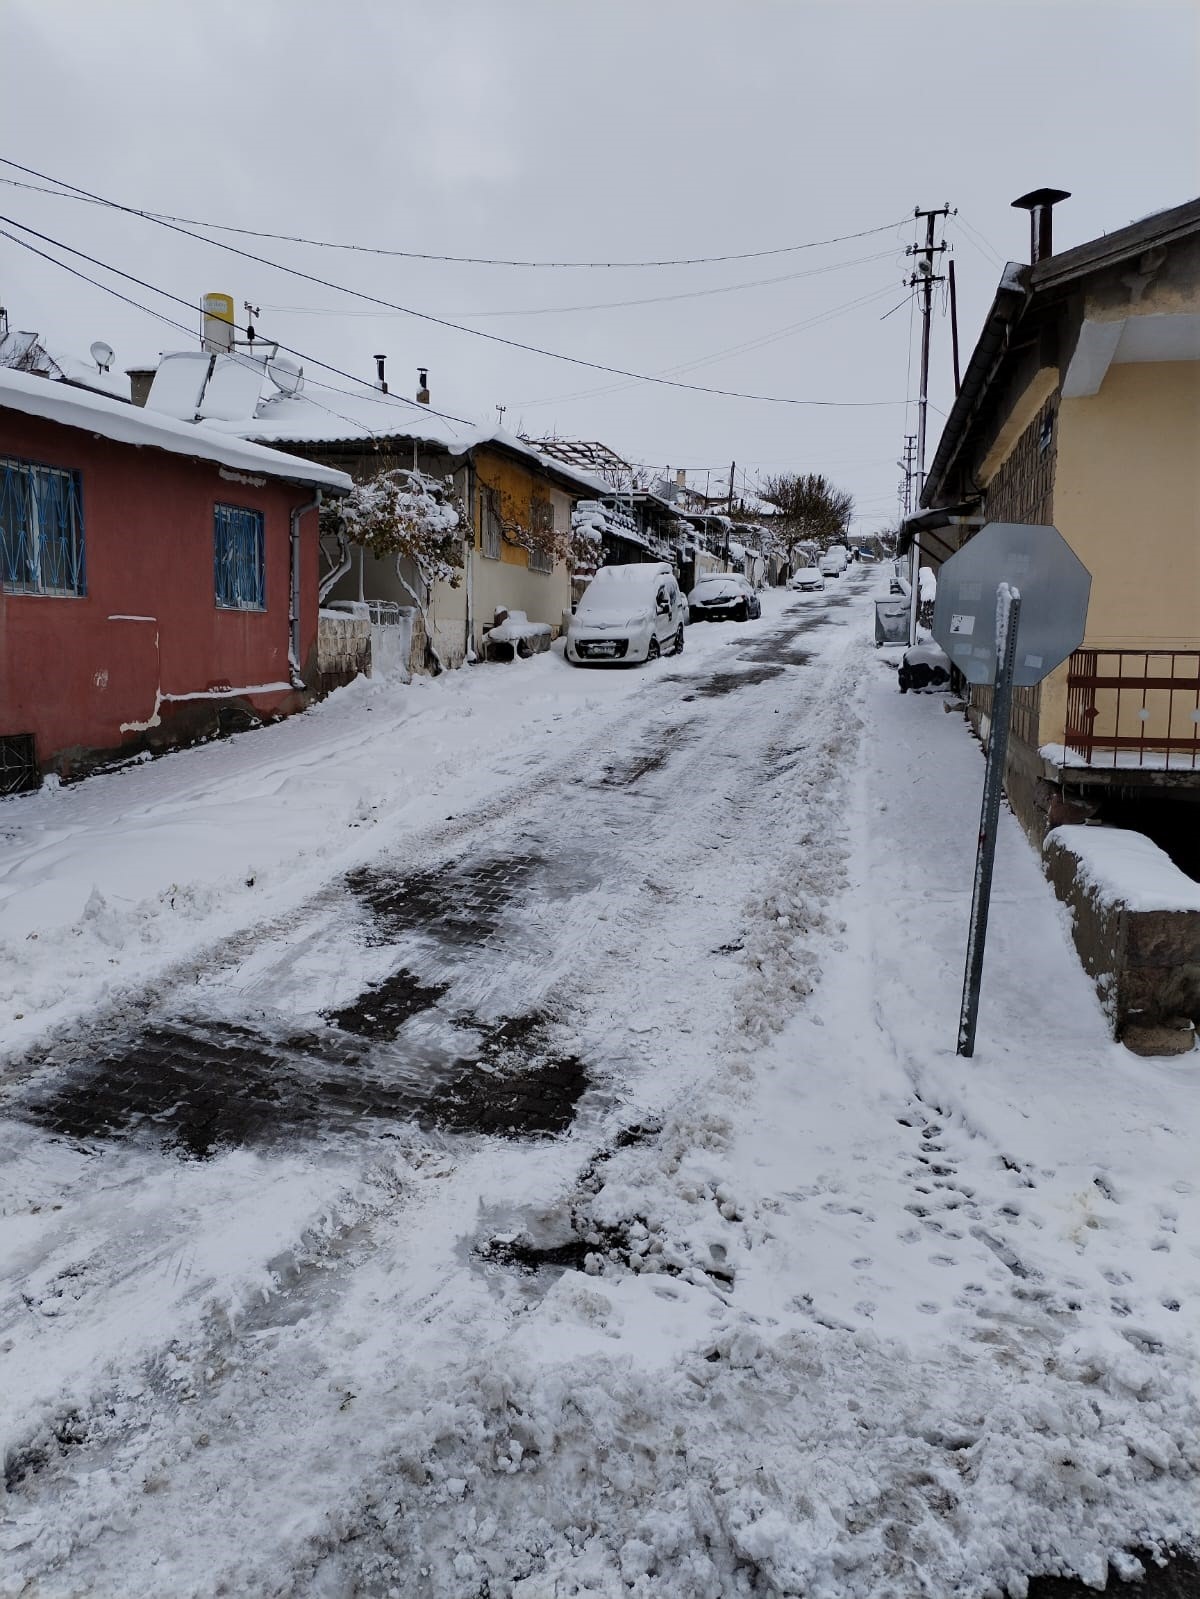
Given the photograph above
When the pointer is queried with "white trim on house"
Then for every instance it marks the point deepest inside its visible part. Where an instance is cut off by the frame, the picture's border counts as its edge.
(128, 424)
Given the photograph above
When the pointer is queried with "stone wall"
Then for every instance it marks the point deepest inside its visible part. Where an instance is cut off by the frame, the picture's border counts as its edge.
(1145, 963)
(343, 649)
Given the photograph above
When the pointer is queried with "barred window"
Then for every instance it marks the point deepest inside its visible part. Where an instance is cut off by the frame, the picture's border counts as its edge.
(541, 561)
(238, 575)
(41, 529)
(491, 524)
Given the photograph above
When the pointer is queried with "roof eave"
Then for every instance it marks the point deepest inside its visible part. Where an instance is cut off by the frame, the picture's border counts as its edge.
(1111, 248)
(1011, 299)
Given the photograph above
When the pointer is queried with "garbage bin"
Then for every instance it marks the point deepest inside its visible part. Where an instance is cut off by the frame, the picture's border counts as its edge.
(891, 621)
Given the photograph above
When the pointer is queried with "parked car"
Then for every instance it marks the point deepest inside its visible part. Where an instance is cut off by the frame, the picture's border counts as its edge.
(723, 595)
(835, 561)
(628, 614)
(808, 580)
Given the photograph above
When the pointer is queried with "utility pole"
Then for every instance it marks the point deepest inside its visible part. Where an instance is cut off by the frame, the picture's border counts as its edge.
(906, 466)
(925, 277)
(732, 472)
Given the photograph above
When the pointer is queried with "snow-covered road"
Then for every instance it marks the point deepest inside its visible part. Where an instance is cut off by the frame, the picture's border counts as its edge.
(475, 1142)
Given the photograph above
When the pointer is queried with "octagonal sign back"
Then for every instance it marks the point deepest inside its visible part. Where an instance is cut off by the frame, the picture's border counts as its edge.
(1054, 585)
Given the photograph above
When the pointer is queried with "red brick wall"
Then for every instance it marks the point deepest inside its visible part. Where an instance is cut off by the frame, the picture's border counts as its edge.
(72, 675)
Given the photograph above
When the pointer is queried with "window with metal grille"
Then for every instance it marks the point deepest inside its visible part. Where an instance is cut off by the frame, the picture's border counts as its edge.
(41, 529)
(238, 558)
(491, 524)
(18, 764)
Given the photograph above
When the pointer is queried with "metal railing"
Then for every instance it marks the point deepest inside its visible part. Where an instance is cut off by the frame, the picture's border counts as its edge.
(1135, 708)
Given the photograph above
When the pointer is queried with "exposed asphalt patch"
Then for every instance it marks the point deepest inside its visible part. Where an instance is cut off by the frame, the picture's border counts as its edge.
(459, 903)
(383, 1009)
(1179, 1578)
(626, 773)
(721, 683)
(195, 1087)
(519, 1086)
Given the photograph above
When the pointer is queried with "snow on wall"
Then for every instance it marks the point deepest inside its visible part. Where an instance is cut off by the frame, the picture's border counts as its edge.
(1122, 867)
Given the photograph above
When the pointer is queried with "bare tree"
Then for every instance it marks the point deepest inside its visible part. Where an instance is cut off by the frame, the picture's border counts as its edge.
(414, 518)
(811, 510)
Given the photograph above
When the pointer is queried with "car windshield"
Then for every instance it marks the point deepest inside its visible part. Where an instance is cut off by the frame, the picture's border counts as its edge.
(616, 600)
(719, 585)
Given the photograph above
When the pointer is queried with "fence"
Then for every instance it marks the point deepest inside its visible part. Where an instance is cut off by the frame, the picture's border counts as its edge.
(1135, 708)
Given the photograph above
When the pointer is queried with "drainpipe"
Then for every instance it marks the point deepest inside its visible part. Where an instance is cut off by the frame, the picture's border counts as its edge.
(469, 501)
(294, 589)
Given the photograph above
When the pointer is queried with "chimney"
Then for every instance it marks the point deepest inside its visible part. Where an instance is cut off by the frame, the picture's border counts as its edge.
(380, 380)
(1040, 204)
(140, 379)
(681, 477)
(422, 385)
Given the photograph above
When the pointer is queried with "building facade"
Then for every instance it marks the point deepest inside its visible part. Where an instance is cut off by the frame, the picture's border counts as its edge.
(156, 584)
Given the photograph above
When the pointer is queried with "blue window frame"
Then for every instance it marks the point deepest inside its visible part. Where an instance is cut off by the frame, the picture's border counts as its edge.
(238, 574)
(41, 529)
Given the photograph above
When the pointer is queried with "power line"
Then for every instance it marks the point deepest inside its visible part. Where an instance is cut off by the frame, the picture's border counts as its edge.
(70, 192)
(983, 245)
(733, 349)
(159, 316)
(606, 305)
(425, 316)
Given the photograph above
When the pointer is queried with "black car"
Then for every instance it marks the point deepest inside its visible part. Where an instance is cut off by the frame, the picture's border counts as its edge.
(722, 596)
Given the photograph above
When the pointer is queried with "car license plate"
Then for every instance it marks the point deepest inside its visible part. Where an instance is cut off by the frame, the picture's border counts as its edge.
(603, 648)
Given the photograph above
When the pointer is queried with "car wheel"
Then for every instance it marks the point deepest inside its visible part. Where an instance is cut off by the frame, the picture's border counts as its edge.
(744, 612)
(652, 650)
(679, 640)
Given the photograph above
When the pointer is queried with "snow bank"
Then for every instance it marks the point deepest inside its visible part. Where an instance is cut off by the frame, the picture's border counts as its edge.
(1121, 867)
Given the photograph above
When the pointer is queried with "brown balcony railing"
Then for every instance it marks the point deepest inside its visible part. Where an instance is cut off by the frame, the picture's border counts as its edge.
(1135, 708)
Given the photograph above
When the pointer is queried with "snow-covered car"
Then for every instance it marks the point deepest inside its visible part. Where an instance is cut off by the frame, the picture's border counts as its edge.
(835, 560)
(808, 580)
(723, 595)
(627, 613)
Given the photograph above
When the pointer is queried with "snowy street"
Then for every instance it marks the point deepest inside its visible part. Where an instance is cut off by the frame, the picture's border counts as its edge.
(501, 1136)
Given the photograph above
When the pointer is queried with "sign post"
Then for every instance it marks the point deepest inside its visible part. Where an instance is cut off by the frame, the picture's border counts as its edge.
(1008, 618)
(1011, 606)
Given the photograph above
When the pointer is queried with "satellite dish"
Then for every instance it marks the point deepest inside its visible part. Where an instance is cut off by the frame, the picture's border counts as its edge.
(286, 375)
(102, 354)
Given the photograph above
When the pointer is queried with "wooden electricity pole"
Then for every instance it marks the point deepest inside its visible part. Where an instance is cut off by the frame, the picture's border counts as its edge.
(924, 277)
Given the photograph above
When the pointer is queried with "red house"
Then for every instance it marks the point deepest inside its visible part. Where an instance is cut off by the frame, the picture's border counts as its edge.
(158, 581)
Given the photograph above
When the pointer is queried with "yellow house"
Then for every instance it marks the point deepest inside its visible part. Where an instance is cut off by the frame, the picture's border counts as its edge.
(517, 505)
(1080, 408)
(520, 506)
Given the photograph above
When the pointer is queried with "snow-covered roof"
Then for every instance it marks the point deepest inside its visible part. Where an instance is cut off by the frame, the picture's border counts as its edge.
(25, 352)
(129, 424)
(323, 415)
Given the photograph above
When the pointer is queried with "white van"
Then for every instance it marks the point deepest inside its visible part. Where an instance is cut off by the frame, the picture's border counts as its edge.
(835, 561)
(627, 613)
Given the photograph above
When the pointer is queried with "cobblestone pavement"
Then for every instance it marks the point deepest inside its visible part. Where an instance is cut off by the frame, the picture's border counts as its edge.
(414, 1046)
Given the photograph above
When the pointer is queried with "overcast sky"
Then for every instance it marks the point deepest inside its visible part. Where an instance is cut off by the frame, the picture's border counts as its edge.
(616, 129)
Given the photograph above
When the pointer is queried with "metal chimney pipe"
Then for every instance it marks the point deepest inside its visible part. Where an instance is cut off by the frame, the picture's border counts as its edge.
(382, 382)
(422, 385)
(1040, 204)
